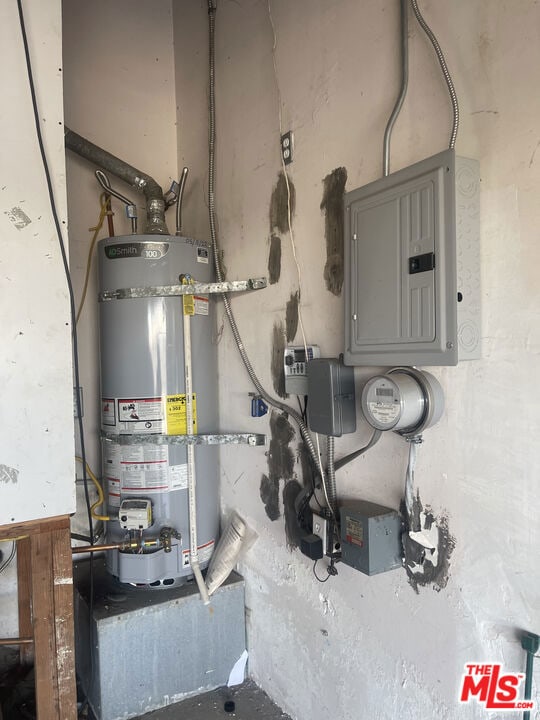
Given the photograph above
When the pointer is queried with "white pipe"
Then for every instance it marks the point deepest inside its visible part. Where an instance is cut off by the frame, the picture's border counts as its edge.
(191, 476)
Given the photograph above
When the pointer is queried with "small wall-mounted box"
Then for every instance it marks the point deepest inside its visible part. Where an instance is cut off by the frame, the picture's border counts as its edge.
(370, 537)
(412, 265)
(331, 397)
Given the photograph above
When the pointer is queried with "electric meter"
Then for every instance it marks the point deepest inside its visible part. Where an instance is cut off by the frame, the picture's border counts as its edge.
(135, 514)
(405, 400)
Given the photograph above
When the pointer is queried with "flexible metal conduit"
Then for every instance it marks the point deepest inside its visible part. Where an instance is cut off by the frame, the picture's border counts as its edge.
(404, 82)
(219, 274)
(155, 204)
(442, 62)
(331, 474)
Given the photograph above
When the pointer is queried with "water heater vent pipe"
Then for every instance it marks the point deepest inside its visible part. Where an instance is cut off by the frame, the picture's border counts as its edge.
(155, 204)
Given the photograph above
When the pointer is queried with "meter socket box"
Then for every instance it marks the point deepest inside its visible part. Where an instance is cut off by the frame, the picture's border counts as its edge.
(331, 397)
(370, 537)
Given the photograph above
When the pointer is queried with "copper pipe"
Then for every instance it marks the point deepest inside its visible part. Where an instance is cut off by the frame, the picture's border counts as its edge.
(16, 641)
(97, 548)
(113, 546)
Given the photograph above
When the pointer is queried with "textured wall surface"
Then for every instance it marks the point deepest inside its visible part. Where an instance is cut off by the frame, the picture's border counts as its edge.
(36, 410)
(358, 646)
(355, 646)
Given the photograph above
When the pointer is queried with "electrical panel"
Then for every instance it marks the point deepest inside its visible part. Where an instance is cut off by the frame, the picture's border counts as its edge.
(331, 397)
(370, 537)
(412, 269)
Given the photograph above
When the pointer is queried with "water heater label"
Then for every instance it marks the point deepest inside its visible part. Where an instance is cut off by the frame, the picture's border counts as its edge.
(140, 415)
(201, 305)
(384, 413)
(202, 255)
(178, 478)
(132, 469)
(108, 411)
(176, 415)
(204, 552)
(145, 250)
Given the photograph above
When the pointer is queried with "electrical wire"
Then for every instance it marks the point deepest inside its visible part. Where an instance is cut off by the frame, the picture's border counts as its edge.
(10, 557)
(78, 399)
(63, 253)
(315, 573)
(104, 212)
(444, 67)
(287, 184)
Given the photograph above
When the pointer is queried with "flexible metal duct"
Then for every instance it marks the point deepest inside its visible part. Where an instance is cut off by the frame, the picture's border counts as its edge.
(155, 204)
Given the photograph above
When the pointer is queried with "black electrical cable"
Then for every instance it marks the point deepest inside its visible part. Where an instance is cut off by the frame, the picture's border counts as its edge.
(315, 573)
(10, 557)
(73, 314)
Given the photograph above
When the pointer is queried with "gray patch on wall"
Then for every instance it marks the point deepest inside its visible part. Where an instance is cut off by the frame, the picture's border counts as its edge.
(280, 463)
(291, 316)
(293, 531)
(333, 206)
(279, 204)
(274, 260)
(8, 474)
(420, 568)
(276, 365)
(19, 218)
(269, 492)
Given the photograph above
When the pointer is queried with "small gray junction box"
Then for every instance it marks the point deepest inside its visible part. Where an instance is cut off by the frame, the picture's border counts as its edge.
(412, 268)
(370, 537)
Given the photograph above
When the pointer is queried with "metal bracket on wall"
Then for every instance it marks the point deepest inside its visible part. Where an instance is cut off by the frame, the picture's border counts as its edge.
(192, 289)
(253, 439)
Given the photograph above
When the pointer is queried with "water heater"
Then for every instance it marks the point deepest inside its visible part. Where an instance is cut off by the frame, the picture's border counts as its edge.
(143, 403)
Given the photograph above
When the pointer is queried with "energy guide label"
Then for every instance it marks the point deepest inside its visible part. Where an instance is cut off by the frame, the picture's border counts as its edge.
(177, 415)
(140, 415)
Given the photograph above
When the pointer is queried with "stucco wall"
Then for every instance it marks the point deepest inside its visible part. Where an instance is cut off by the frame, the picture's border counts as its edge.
(358, 646)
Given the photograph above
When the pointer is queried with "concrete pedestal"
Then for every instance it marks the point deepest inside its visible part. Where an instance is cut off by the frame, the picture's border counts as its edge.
(153, 648)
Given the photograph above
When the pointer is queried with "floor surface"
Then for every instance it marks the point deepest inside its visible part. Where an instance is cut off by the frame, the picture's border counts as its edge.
(250, 703)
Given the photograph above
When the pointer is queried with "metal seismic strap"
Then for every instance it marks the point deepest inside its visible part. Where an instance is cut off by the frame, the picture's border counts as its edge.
(191, 289)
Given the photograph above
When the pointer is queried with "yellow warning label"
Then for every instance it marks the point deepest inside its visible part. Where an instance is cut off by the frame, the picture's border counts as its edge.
(176, 415)
(189, 304)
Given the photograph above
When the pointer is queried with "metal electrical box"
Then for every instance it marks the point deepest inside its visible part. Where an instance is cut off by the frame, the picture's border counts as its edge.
(370, 537)
(331, 397)
(412, 269)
